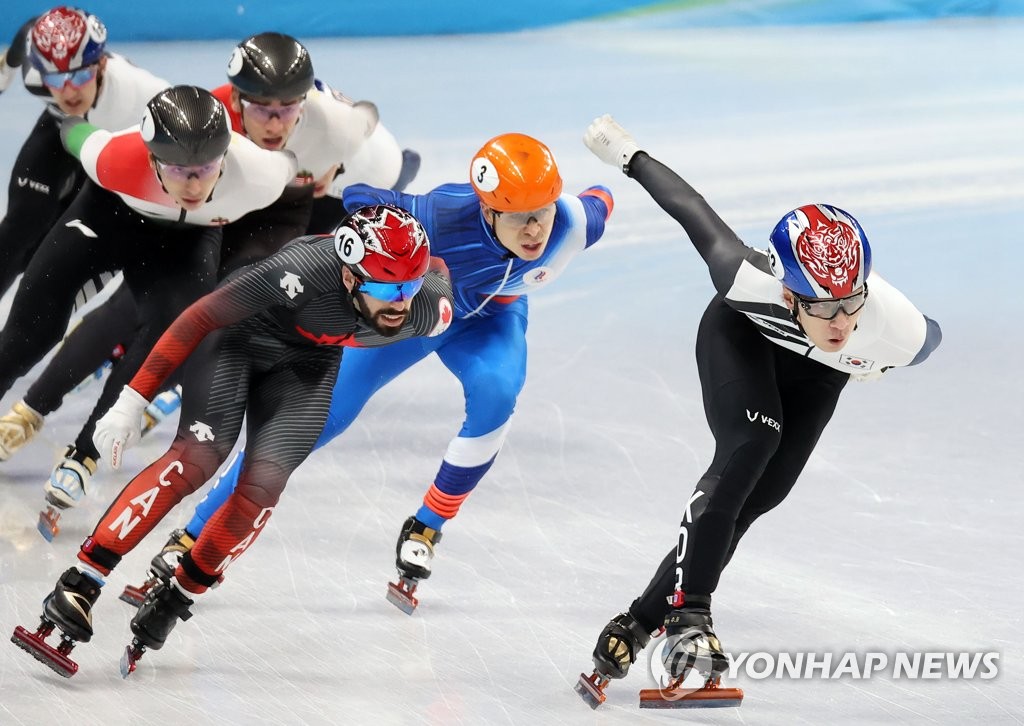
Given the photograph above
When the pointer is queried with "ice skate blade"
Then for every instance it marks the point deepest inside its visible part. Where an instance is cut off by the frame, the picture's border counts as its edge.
(48, 523)
(591, 688)
(400, 594)
(130, 658)
(34, 645)
(710, 696)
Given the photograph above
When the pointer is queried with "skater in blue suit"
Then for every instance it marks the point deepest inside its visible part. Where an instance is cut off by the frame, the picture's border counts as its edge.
(508, 232)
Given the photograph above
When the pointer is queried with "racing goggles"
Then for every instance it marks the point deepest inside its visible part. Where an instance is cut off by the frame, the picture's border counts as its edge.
(521, 219)
(77, 78)
(827, 309)
(263, 112)
(178, 173)
(391, 291)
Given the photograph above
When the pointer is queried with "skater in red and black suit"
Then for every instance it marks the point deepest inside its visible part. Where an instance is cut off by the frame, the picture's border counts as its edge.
(267, 347)
(787, 329)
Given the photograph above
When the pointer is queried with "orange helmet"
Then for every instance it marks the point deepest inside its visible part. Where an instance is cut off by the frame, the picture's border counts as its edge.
(515, 173)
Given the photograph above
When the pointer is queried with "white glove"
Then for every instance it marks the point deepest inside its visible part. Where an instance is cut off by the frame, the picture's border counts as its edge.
(869, 377)
(610, 143)
(6, 72)
(121, 426)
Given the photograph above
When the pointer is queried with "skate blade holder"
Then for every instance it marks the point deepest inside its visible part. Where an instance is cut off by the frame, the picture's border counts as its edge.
(135, 595)
(400, 594)
(49, 523)
(712, 695)
(56, 659)
(131, 656)
(591, 688)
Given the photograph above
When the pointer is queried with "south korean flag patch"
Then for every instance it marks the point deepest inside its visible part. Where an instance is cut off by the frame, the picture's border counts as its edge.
(860, 364)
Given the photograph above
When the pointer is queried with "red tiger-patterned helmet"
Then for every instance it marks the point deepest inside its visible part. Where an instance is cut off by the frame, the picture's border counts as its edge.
(515, 173)
(383, 243)
(65, 39)
(820, 251)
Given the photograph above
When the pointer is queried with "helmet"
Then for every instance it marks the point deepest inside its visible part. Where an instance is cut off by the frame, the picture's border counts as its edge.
(383, 243)
(186, 126)
(271, 65)
(515, 173)
(66, 39)
(820, 251)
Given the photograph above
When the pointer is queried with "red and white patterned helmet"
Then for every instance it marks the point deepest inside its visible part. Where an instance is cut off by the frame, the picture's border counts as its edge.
(383, 243)
(65, 39)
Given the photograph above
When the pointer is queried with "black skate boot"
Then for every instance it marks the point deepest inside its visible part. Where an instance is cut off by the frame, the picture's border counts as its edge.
(164, 605)
(161, 567)
(68, 607)
(413, 554)
(691, 645)
(617, 648)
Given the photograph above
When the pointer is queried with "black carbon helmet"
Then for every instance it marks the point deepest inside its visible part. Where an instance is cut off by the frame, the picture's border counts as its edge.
(185, 126)
(271, 65)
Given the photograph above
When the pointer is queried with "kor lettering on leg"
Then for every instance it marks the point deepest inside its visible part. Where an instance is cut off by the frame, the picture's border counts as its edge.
(235, 552)
(127, 519)
(681, 546)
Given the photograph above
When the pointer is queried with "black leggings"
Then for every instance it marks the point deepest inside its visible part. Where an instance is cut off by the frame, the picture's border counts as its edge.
(766, 407)
(44, 180)
(251, 238)
(165, 268)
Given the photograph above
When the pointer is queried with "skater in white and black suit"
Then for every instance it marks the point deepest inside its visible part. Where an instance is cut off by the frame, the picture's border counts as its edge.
(785, 332)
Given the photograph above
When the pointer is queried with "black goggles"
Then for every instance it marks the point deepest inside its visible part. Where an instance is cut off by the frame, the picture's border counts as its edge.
(828, 308)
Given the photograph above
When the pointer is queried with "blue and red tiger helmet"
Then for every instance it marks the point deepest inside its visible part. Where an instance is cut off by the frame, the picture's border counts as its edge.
(820, 251)
(65, 39)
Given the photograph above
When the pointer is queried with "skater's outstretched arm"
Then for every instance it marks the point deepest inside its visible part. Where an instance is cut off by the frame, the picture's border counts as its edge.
(721, 249)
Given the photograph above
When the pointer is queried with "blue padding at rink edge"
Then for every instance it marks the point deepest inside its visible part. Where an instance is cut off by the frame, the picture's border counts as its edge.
(197, 19)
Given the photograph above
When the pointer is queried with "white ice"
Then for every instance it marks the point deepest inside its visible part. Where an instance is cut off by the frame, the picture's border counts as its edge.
(903, 534)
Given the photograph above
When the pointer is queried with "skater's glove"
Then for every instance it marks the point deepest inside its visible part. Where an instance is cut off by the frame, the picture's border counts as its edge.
(609, 142)
(121, 426)
(869, 377)
(6, 73)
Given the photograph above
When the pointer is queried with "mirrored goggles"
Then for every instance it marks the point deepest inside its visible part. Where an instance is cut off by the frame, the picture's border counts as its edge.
(521, 219)
(829, 308)
(77, 78)
(391, 291)
(263, 112)
(179, 173)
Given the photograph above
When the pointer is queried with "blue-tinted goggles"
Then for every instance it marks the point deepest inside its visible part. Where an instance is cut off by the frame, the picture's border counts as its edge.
(77, 78)
(391, 291)
(829, 308)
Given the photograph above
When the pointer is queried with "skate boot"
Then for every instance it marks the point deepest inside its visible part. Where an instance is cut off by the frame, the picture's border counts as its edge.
(164, 605)
(617, 649)
(68, 607)
(692, 646)
(162, 406)
(413, 554)
(161, 567)
(17, 428)
(65, 488)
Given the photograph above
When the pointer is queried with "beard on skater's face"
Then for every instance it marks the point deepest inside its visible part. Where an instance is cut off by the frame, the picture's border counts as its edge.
(389, 318)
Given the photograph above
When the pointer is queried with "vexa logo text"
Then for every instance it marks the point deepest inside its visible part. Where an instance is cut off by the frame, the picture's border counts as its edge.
(766, 420)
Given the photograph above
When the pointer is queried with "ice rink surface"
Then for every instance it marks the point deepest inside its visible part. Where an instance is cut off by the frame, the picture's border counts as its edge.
(902, 536)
